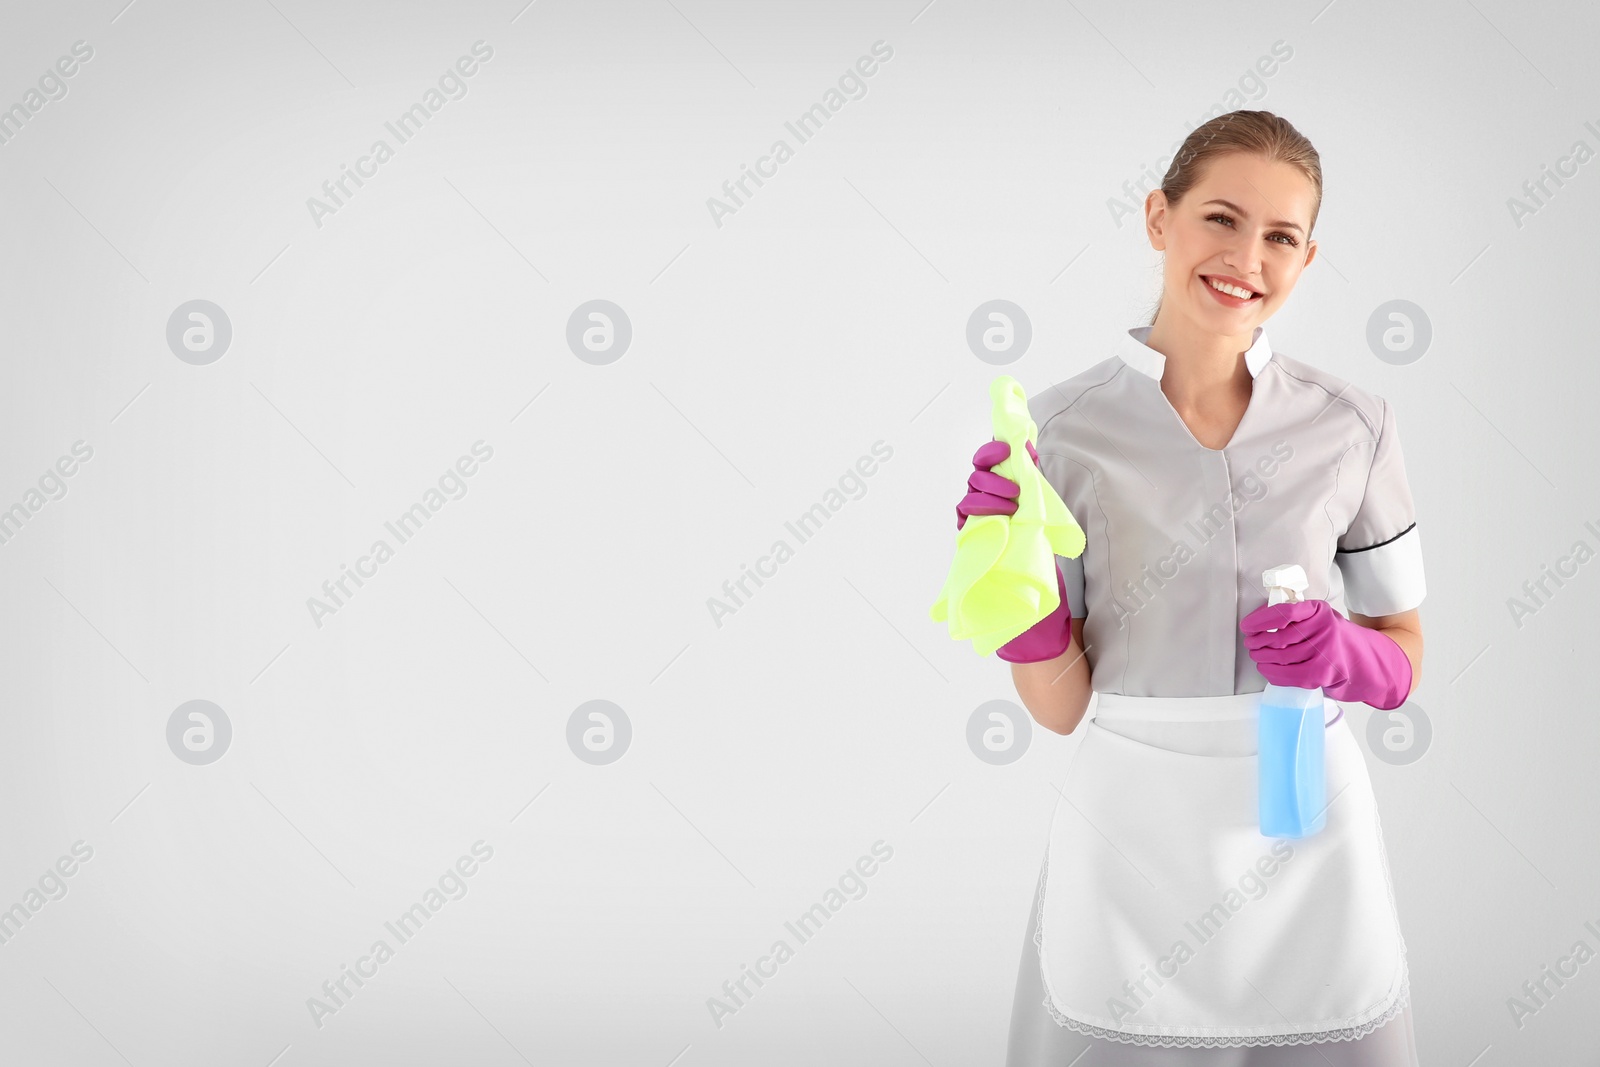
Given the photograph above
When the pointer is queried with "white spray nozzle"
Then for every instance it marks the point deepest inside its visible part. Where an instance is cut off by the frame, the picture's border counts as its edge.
(1286, 583)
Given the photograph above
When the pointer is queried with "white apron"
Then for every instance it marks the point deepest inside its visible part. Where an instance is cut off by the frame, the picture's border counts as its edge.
(1166, 918)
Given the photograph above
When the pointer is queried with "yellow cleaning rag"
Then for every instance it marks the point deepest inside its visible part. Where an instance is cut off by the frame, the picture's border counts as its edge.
(1003, 579)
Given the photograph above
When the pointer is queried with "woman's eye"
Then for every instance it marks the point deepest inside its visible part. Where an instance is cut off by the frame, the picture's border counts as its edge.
(1287, 239)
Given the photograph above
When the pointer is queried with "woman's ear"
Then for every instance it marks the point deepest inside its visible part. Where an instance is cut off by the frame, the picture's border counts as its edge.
(1155, 219)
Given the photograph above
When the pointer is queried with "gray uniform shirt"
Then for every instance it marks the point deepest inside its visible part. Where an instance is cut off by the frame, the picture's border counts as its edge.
(1178, 534)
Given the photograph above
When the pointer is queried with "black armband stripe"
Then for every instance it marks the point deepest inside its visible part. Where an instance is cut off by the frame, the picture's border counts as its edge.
(1380, 544)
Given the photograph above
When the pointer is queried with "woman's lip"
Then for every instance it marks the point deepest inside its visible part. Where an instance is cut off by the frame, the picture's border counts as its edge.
(1224, 299)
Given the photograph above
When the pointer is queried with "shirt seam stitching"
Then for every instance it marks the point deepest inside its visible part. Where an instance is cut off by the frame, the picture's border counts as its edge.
(1333, 492)
(1078, 399)
(1362, 415)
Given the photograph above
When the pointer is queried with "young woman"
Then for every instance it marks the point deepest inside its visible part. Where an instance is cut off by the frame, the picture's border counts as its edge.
(1166, 929)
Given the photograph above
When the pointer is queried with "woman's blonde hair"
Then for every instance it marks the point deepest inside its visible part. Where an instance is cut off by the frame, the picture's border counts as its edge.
(1259, 133)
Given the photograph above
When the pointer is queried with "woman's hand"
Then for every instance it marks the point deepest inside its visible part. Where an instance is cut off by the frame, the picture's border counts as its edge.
(987, 492)
(991, 494)
(1309, 645)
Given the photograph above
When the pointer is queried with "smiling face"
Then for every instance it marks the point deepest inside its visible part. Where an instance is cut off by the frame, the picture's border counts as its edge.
(1244, 223)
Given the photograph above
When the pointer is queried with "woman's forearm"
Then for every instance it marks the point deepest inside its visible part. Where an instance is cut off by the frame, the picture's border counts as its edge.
(1056, 692)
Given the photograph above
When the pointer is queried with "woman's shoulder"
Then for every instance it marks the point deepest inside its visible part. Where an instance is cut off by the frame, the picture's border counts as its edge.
(1055, 400)
(1328, 390)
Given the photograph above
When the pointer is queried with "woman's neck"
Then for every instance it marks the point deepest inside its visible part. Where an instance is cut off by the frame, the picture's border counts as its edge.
(1200, 367)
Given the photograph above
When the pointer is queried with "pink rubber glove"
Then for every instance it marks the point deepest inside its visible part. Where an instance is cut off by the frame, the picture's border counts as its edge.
(993, 494)
(1315, 646)
(987, 492)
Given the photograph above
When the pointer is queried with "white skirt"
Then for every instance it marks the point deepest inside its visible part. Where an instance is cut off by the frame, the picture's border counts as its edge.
(1165, 918)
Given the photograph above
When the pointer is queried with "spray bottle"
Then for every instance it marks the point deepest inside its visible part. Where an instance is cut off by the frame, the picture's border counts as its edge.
(1290, 738)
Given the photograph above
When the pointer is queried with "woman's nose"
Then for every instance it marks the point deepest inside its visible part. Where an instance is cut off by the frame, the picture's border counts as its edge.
(1243, 257)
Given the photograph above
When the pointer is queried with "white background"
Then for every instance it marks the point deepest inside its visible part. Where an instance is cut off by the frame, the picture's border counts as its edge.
(769, 353)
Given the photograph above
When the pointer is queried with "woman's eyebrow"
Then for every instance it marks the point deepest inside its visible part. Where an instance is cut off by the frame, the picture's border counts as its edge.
(1237, 210)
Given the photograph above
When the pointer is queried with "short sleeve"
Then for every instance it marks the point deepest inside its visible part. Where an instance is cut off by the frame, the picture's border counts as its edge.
(1070, 479)
(1072, 580)
(1380, 555)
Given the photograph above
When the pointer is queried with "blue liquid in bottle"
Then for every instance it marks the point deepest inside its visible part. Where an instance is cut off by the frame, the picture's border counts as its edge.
(1290, 738)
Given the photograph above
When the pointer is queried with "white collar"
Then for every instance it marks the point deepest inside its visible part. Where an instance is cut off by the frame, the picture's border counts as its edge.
(1141, 357)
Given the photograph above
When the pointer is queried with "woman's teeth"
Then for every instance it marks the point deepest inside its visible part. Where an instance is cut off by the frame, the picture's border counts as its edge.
(1231, 290)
